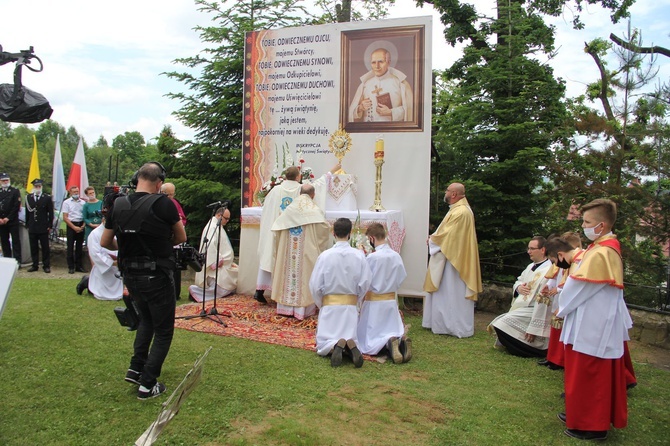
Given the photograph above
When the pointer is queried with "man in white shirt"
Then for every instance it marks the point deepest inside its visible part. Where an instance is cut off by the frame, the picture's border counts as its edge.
(340, 279)
(73, 217)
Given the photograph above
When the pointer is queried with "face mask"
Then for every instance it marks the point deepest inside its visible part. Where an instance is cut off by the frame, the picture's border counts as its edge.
(562, 264)
(75, 197)
(590, 233)
(37, 190)
(372, 242)
(5, 184)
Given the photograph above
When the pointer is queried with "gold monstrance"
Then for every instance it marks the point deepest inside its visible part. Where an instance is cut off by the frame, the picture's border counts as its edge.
(339, 143)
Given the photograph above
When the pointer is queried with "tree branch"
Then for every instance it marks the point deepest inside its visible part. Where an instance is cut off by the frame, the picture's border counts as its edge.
(639, 49)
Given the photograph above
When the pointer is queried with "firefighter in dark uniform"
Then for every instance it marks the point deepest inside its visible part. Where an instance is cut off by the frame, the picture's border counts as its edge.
(39, 219)
(10, 203)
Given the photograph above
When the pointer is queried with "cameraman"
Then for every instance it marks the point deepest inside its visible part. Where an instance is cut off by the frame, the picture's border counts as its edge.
(147, 225)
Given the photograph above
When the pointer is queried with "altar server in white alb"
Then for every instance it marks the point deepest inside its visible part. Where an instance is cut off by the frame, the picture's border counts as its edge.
(220, 271)
(595, 331)
(275, 202)
(104, 282)
(380, 325)
(301, 234)
(340, 279)
(453, 279)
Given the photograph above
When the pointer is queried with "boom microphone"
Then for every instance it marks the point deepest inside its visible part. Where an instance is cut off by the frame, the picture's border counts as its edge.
(218, 204)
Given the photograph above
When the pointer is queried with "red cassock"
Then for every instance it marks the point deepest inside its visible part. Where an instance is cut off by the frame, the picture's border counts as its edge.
(555, 350)
(595, 392)
(631, 380)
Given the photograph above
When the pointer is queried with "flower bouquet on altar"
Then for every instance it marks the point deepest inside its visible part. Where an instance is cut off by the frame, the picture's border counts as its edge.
(306, 173)
(358, 238)
(267, 187)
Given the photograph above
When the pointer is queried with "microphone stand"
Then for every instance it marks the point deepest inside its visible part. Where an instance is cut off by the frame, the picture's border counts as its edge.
(216, 272)
(213, 314)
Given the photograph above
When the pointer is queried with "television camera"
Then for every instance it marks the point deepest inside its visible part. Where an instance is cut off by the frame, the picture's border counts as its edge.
(18, 103)
(186, 255)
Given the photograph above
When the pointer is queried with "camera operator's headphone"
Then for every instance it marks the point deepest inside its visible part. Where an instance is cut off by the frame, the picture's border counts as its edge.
(161, 176)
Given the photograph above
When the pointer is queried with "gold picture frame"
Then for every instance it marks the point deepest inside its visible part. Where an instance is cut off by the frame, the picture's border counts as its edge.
(405, 47)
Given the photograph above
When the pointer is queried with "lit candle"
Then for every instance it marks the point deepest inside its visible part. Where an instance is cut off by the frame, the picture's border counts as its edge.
(379, 147)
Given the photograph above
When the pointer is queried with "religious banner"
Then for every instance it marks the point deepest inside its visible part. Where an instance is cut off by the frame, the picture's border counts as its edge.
(310, 89)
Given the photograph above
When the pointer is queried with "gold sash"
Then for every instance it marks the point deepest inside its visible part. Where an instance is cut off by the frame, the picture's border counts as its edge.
(340, 299)
(374, 296)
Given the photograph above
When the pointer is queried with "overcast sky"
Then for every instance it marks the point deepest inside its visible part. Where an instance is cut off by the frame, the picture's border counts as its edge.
(103, 60)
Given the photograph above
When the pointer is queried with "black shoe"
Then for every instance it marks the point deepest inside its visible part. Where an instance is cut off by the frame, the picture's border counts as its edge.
(133, 377)
(631, 386)
(82, 285)
(355, 353)
(70, 271)
(336, 355)
(543, 362)
(47, 269)
(80, 270)
(561, 416)
(393, 348)
(563, 395)
(157, 389)
(259, 296)
(406, 348)
(32, 269)
(586, 435)
(552, 366)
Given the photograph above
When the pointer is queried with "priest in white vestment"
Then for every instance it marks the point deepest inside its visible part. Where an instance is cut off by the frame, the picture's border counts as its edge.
(340, 279)
(274, 204)
(453, 279)
(384, 93)
(524, 330)
(104, 281)
(220, 271)
(301, 234)
(380, 324)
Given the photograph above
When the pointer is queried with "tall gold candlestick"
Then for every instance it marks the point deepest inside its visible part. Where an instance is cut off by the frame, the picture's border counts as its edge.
(379, 161)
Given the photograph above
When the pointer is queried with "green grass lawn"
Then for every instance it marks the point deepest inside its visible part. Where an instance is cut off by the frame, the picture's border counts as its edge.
(63, 358)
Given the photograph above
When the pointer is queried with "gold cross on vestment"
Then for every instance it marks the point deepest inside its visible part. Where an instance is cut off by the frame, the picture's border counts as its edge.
(377, 90)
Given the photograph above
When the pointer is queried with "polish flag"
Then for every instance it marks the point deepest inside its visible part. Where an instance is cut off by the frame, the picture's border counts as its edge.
(78, 174)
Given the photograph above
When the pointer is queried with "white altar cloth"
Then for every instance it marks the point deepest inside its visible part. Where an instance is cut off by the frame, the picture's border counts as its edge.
(250, 223)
